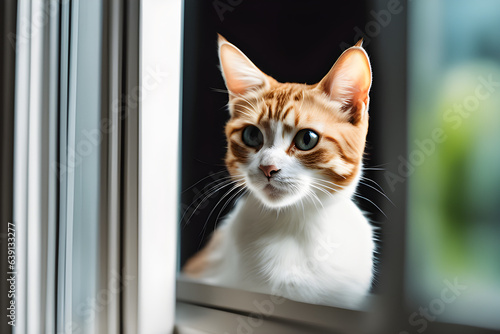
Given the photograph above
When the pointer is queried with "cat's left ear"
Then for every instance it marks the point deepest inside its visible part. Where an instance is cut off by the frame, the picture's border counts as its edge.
(349, 82)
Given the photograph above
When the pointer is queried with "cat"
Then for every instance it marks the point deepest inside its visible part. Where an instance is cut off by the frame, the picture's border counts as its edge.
(297, 149)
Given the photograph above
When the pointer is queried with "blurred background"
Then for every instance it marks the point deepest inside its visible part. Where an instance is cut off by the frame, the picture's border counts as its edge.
(454, 179)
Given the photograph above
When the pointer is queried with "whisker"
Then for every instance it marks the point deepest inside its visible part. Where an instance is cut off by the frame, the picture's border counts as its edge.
(229, 201)
(329, 182)
(325, 186)
(319, 187)
(375, 205)
(208, 194)
(303, 210)
(206, 177)
(217, 188)
(220, 90)
(202, 233)
(381, 165)
(381, 193)
(220, 200)
(313, 196)
(368, 179)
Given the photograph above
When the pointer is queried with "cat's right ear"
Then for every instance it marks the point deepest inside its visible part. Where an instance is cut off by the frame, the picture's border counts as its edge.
(240, 74)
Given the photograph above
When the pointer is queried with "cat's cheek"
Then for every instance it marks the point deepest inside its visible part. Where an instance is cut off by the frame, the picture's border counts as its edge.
(336, 180)
(238, 151)
(232, 166)
(341, 167)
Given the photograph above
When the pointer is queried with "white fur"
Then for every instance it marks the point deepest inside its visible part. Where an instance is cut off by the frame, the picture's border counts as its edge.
(293, 240)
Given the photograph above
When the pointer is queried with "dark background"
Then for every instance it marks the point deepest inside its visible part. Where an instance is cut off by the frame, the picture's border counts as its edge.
(292, 41)
(8, 12)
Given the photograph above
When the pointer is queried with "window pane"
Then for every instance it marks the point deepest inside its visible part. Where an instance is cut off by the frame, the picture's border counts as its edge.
(81, 251)
(454, 123)
(301, 52)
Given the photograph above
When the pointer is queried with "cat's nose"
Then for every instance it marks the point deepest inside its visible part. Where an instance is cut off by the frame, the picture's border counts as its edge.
(269, 171)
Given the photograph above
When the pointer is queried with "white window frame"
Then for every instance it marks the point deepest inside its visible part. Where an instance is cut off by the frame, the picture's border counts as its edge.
(160, 68)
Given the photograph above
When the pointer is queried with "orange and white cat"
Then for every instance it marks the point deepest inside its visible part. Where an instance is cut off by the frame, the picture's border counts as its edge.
(298, 150)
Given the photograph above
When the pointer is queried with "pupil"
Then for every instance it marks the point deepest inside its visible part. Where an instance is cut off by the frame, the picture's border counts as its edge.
(307, 138)
(254, 134)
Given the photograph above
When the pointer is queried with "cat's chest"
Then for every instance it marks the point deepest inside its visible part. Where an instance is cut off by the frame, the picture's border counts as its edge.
(300, 255)
(289, 266)
(310, 242)
(282, 257)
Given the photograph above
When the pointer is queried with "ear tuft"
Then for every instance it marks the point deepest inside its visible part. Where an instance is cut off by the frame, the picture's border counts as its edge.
(240, 74)
(349, 82)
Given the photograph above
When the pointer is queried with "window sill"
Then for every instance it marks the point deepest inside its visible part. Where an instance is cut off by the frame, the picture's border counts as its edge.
(215, 309)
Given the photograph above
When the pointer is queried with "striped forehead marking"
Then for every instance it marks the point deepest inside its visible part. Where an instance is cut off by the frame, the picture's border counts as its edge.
(279, 103)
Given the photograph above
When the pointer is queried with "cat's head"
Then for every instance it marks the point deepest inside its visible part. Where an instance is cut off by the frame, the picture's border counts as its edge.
(288, 141)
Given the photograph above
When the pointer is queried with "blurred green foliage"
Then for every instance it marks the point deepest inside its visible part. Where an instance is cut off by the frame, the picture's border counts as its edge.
(454, 195)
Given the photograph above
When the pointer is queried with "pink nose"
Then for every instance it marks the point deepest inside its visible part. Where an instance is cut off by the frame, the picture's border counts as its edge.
(269, 171)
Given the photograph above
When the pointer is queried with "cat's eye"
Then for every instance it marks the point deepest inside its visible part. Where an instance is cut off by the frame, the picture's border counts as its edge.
(306, 139)
(252, 136)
